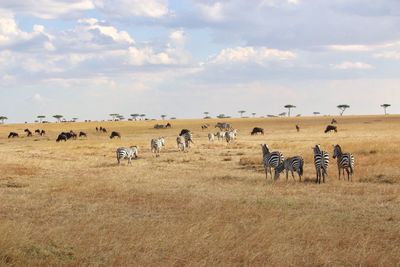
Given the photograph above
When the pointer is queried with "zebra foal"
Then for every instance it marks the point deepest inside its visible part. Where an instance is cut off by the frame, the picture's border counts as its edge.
(292, 164)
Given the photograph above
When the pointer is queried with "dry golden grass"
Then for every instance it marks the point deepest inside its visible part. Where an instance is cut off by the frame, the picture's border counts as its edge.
(70, 204)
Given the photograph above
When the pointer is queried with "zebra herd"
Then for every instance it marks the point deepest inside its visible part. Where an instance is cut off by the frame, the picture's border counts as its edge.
(275, 160)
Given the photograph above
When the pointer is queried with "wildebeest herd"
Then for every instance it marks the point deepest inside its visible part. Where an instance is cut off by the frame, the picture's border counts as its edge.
(271, 160)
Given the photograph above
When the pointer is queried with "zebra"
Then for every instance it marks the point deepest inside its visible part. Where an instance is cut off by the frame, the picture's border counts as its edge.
(345, 161)
(181, 143)
(292, 164)
(156, 145)
(223, 126)
(271, 159)
(127, 153)
(230, 136)
(211, 137)
(220, 135)
(321, 162)
(188, 136)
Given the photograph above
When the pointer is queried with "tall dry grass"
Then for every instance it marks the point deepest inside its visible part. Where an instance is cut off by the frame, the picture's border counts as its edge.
(70, 204)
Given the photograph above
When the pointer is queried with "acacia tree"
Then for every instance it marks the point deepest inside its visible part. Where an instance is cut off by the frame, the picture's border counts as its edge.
(254, 114)
(289, 107)
(142, 116)
(41, 117)
(120, 117)
(74, 119)
(114, 115)
(221, 116)
(385, 106)
(241, 112)
(316, 113)
(283, 114)
(163, 116)
(2, 119)
(343, 108)
(58, 117)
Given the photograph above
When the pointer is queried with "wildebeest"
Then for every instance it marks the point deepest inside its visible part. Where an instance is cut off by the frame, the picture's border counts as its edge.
(115, 134)
(223, 126)
(257, 130)
(40, 132)
(28, 132)
(330, 128)
(102, 129)
(205, 126)
(184, 131)
(168, 125)
(62, 137)
(297, 128)
(333, 121)
(82, 134)
(73, 134)
(13, 135)
(97, 129)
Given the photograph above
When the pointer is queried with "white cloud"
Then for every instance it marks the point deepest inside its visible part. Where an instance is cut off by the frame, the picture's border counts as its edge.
(347, 65)
(351, 48)
(251, 54)
(136, 8)
(388, 55)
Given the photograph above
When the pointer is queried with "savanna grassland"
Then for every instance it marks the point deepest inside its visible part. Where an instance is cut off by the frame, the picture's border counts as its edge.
(69, 204)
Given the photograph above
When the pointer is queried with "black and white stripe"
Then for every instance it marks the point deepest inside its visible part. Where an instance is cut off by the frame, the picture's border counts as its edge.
(181, 143)
(345, 161)
(271, 159)
(321, 162)
(292, 164)
(211, 137)
(156, 145)
(188, 138)
(127, 153)
(230, 136)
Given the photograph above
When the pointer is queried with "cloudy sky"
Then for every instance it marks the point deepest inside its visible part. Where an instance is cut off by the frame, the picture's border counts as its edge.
(89, 58)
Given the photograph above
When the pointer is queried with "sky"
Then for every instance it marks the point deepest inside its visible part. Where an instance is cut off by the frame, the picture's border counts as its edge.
(90, 58)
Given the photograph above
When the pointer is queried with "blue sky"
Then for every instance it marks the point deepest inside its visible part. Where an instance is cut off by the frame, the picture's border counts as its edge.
(89, 58)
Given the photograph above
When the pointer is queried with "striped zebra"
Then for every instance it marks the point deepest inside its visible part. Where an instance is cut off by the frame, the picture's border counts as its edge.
(345, 161)
(156, 145)
(271, 159)
(321, 162)
(230, 136)
(127, 153)
(292, 164)
(211, 137)
(220, 135)
(188, 136)
(181, 143)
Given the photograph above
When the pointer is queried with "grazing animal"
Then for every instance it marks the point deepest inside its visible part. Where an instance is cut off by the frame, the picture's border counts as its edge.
(297, 128)
(102, 129)
(257, 130)
(181, 143)
(97, 129)
(271, 159)
(28, 132)
(115, 134)
(345, 161)
(188, 138)
(183, 131)
(159, 126)
(156, 145)
(168, 125)
(127, 153)
(211, 137)
(230, 136)
(82, 134)
(205, 126)
(321, 162)
(331, 128)
(37, 131)
(220, 135)
(73, 135)
(42, 132)
(13, 135)
(62, 137)
(333, 121)
(292, 164)
(223, 126)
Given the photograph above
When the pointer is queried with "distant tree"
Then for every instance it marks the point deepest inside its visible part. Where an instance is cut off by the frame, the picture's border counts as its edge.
(173, 118)
(74, 119)
(2, 119)
(221, 116)
(206, 113)
(241, 112)
(254, 114)
(58, 117)
(385, 106)
(120, 117)
(142, 116)
(342, 108)
(289, 107)
(316, 113)
(163, 116)
(134, 116)
(114, 115)
(41, 117)
(283, 114)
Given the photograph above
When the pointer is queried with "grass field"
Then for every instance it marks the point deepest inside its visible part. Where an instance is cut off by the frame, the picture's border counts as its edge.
(71, 204)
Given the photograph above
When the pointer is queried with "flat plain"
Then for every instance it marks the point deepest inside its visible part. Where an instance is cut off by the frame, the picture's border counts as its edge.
(69, 203)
